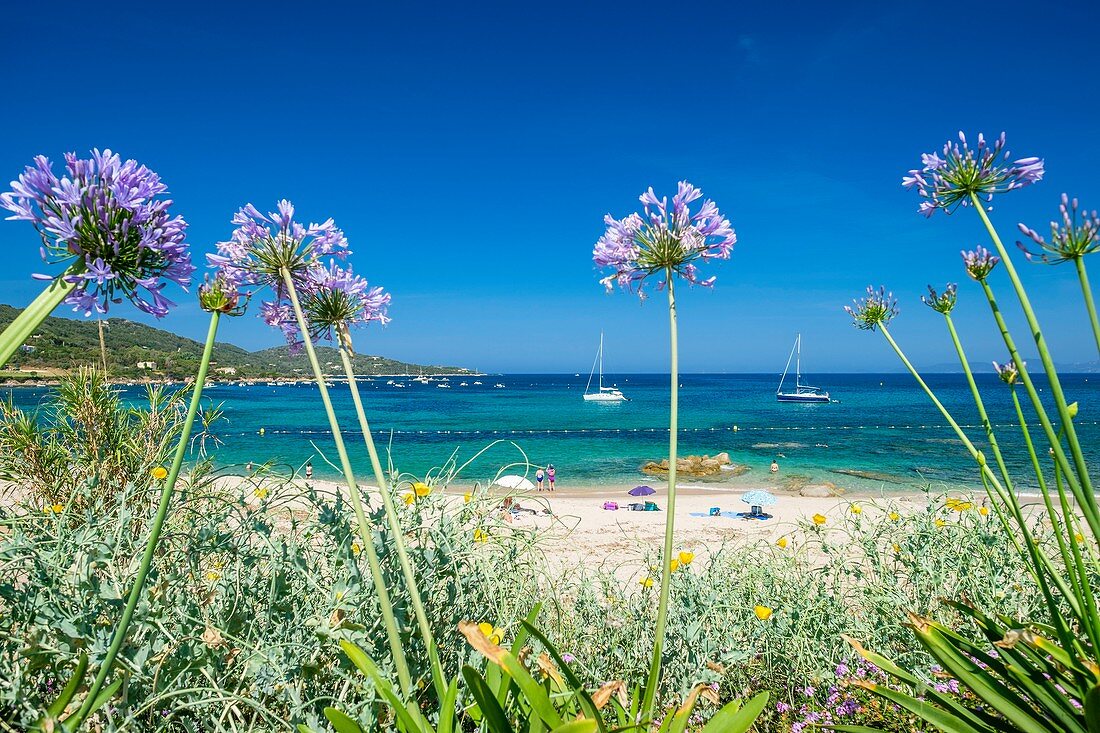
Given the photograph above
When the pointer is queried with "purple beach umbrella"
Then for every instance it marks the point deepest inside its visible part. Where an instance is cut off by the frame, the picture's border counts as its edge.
(641, 491)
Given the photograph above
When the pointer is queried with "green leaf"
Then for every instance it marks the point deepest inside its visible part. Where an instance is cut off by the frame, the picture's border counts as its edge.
(342, 722)
(410, 716)
(66, 696)
(938, 717)
(1092, 709)
(492, 714)
(584, 725)
(447, 711)
(735, 719)
(532, 691)
(105, 694)
(575, 684)
(303, 728)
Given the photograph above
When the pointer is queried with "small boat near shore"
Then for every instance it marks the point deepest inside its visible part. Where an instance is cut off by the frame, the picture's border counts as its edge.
(602, 394)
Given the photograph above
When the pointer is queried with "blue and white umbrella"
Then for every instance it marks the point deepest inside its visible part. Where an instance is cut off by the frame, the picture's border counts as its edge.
(758, 498)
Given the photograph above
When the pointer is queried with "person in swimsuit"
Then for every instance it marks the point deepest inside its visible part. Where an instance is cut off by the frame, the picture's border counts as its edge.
(309, 470)
(539, 476)
(551, 475)
(775, 466)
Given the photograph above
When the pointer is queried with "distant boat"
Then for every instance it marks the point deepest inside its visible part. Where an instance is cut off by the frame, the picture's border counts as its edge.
(498, 385)
(477, 382)
(442, 385)
(603, 394)
(802, 392)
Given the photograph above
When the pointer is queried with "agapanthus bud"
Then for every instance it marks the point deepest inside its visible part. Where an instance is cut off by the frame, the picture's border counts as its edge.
(875, 309)
(219, 294)
(106, 219)
(1007, 372)
(1070, 239)
(947, 182)
(663, 240)
(941, 302)
(979, 262)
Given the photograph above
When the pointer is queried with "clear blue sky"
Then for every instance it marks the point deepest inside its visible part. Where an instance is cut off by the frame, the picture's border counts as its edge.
(470, 151)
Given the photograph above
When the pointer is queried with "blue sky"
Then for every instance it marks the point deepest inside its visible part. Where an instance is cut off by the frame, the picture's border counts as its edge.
(470, 151)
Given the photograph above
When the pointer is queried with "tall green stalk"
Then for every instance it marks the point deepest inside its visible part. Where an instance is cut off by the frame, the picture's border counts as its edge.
(388, 619)
(1086, 290)
(154, 532)
(653, 681)
(1060, 402)
(394, 521)
(27, 322)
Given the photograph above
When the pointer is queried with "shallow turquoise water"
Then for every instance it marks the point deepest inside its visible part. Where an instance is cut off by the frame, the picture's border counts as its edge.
(881, 423)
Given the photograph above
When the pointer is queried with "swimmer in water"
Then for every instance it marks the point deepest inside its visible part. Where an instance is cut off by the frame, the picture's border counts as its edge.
(775, 466)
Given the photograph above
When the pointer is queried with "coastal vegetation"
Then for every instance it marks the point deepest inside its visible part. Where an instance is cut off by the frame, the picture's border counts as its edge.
(143, 589)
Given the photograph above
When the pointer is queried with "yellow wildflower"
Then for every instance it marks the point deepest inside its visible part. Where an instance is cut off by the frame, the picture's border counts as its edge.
(1079, 537)
(422, 489)
(492, 633)
(466, 497)
(857, 509)
(673, 565)
(47, 509)
(58, 508)
(261, 493)
(647, 582)
(894, 516)
(159, 473)
(897, 549)
(686, 558)
(339, 595)
(355, 548)
(958, 505)
(762, 612)
(819, 519)
(983, 510)
(408, 498)
(212, 575)
(781, 542)
(940, 522)
(481, 535)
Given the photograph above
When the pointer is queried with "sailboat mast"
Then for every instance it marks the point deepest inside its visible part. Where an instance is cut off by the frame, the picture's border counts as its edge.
(798, 362)
(601, 361)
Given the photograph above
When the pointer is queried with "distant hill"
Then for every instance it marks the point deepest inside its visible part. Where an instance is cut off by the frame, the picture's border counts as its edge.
(63, 344)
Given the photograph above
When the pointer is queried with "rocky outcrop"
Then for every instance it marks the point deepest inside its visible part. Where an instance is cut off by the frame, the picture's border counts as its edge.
(823, 491)
(694, 466)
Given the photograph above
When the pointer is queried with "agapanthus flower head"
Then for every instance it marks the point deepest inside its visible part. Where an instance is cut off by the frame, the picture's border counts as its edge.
(941, 302)
(220, 294)
(262, 247)
(875, 309)
(338, 300)
(1007, 372)
(108, 221)
(1070, 239)
(947, 182)
(663, 240)
(979, 262)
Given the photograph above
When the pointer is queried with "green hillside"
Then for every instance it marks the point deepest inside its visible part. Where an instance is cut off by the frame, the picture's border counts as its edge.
(63, 344)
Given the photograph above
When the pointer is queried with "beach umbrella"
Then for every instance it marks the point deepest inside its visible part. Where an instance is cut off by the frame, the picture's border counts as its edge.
(514, 482)
(758, 498)
(641, 491)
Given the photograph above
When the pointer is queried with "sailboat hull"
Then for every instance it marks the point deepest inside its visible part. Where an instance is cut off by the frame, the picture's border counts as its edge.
(604, 397)
(802, 397)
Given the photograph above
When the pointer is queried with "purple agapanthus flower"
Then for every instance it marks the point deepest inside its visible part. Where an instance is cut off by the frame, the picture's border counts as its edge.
(941, 302)
(1069, 240)
(663, 240)
(875, 309)
(979, 263)
(948, 182)
(336, 301)
(107, 220)
(263, 250)
(1007, 372)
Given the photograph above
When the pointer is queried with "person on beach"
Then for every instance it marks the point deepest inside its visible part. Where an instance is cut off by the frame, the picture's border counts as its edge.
(540, 476)
(309, 470)
(551, 475)
(248, 468)
(775, 466)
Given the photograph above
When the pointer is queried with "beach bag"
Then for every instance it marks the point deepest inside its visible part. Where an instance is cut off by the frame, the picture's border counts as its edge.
(610, 505)
(651, 507)
(715, 511)
(635, 507)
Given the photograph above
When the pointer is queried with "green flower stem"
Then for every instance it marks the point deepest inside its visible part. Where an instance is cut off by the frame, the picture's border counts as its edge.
(1009, 495)
(1078, 577)
(1039, 558)
(27, 322)
(154, 532)
(653, 682)
(395, 524)
(1086, 290)
(1084, 497)
(1052, 375)
(388, 619)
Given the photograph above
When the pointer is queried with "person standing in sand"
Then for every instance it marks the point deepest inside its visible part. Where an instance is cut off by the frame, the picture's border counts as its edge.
(540, 476)
(551, 475)
(309, 470)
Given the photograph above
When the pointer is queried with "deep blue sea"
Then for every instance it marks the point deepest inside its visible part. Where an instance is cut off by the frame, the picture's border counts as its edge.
(880, 424)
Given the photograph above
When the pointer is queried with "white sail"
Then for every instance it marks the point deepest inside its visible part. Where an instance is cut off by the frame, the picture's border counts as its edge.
(602, 393)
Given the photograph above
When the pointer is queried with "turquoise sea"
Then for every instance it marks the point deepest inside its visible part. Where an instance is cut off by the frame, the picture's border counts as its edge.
(880, 425)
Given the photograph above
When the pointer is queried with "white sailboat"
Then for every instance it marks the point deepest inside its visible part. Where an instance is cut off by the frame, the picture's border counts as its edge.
(802, 392)
(603, 394)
